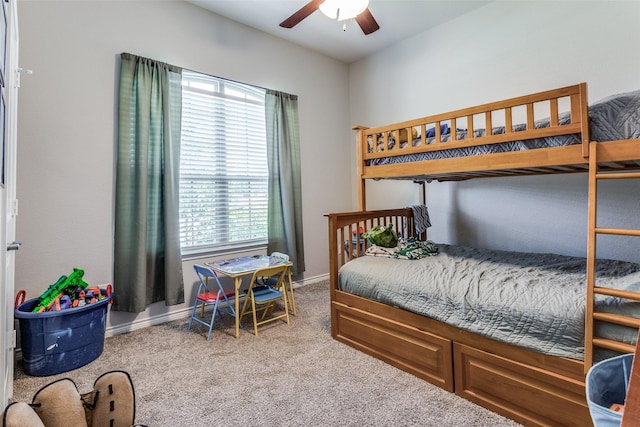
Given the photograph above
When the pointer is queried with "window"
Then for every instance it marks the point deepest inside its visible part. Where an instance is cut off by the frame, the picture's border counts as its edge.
(223, 165)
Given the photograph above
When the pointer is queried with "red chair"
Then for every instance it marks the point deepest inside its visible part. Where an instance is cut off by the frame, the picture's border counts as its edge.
(207, 296)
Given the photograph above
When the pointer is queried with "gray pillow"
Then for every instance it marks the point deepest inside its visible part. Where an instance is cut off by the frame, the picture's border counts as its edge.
(615, 117)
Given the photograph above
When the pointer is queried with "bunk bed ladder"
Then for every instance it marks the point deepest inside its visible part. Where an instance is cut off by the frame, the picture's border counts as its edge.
(591, 340)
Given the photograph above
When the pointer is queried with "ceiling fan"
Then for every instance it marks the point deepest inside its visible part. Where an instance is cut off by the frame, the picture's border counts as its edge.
(340, 10)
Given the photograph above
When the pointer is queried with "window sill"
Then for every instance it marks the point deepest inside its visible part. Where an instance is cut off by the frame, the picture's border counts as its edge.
(221, 250)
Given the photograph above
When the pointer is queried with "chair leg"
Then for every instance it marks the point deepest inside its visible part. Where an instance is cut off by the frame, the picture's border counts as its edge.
(244, 306)
(193, 313)
(286, 302)
(255, 320)
(292, 299)
(220, 313)
(213, 319)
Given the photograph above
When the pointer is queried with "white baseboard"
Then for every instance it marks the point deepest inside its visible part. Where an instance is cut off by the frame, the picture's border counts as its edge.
(183, 313)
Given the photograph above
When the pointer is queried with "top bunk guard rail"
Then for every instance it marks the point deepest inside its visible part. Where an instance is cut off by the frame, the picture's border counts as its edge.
(425, 135)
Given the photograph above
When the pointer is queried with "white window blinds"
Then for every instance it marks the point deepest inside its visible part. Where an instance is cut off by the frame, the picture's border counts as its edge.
(223, 165)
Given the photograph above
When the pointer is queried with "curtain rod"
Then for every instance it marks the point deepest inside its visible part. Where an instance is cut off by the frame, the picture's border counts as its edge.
(210, 75)
(224, 78)
(239, 82)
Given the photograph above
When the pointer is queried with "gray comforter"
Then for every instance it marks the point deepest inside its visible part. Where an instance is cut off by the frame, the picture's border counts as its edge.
(535, 301)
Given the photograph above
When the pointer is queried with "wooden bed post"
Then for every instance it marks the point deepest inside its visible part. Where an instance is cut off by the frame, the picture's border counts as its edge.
(591, 258)
(362, 195)
(361, 143)
(333, 259)
(423, 194)
(584, 119)
(423, 200)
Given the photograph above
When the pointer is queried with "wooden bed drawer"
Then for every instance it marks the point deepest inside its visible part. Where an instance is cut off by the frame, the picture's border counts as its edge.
(531, 396)
(420, 353)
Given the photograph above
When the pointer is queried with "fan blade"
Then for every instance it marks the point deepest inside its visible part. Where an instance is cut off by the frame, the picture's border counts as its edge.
(302, 13)
(367, 22)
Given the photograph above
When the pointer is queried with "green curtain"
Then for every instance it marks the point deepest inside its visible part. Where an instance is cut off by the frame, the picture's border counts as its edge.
(147, 259)
(285, 193)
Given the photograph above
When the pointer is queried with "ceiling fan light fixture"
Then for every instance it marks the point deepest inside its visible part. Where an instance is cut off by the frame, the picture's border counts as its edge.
(343, 9)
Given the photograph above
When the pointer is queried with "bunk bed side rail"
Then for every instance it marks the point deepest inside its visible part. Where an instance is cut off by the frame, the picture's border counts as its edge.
(576, 95)
(345, 234)
(361, 144)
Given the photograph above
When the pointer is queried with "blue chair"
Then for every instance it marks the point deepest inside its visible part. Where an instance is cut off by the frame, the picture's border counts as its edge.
(263, 297)
(206, 296)
(271, 281)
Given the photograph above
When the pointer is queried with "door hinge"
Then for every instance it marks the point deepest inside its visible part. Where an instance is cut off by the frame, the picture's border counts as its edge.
(19, 71)
(11, 340)
(14, 207)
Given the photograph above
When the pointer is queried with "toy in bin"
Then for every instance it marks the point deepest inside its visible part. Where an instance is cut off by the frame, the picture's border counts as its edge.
(70, 291)
(64, 328)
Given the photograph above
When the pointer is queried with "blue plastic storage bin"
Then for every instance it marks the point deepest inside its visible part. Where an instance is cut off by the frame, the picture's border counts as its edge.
(59, 341)
(607, 383)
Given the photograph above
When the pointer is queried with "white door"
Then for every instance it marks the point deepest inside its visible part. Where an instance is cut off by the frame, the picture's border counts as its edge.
(8, 201)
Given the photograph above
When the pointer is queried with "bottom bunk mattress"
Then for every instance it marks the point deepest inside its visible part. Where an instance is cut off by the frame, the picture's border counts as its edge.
(535, 301)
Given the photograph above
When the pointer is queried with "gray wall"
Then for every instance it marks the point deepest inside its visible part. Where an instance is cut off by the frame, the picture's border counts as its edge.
(67, 126)
(502, 50)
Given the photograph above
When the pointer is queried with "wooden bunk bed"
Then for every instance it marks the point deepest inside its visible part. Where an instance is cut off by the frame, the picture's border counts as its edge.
(530, 387)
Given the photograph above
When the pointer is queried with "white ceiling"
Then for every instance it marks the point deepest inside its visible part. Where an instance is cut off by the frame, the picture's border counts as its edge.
(398, 19)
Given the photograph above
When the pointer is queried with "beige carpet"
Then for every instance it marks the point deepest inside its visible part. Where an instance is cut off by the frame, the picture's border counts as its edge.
(293, 375)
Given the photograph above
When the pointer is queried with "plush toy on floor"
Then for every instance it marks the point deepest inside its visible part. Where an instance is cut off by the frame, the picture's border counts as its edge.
(111, 403)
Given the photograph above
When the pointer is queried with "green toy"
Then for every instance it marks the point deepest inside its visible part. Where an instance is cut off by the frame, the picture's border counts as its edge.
(382, 235)
(64, 285)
